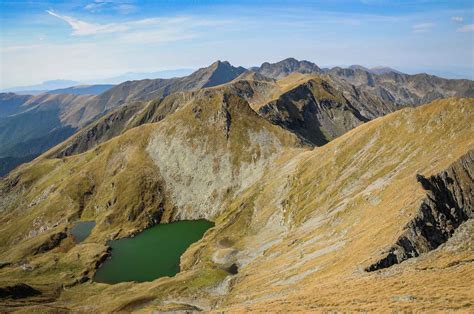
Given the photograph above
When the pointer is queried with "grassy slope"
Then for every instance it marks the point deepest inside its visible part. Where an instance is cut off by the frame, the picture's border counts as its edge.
(301, 234)
(57, 191)
(348, 201)
(119, 185)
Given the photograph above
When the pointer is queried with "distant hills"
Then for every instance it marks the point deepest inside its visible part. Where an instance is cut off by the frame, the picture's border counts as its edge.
(82, 89)
(42, 121)
(41, 88)
(318, 107)
(270, 70)
(315, 104)
(61, 86)
(375, 70)
(133, 76)
(39, 122)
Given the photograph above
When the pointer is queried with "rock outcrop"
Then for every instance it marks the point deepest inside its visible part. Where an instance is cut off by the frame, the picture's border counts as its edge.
(449, 203)
(283, 68)
(315, 111)
(18, 291)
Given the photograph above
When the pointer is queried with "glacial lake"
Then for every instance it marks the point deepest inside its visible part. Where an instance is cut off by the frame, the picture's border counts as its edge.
(152, 253)
(81, 230)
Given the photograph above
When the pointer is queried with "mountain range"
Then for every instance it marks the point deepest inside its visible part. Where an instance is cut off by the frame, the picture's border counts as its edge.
(345, 189)
(41, 88)
(317, 105)
(62, 86)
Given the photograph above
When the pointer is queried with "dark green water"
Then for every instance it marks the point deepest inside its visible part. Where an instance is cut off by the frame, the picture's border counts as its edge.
(81, 230)
(151, 254)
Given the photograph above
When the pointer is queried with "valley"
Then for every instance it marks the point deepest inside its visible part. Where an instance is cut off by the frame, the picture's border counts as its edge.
(284, 186)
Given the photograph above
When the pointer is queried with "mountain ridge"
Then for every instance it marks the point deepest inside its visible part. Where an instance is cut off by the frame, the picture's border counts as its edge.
(367, 100)
(287, 66)
(371, 95)
(78, 114)
(302, 220)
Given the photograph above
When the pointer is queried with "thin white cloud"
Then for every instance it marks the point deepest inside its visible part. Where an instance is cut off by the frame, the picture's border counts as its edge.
(81, 28)
(94, 7)
(126, 8)
(457, 19)
(422, 27)
(120, 6)
(466, 28)
(144, 31)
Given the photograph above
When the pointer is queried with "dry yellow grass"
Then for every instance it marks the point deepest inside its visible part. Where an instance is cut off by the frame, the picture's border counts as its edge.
(301, 235)
(349, 201)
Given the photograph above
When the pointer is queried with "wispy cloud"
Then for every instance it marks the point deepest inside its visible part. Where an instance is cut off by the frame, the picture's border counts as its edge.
(422, 27)
(466, 28)
(81, 28)
(120, 6)
(126, 8)
(95, 6)
(457, 19)
(144, 31)
(94, 38)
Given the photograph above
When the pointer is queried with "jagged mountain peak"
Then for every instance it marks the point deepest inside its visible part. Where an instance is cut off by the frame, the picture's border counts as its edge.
(217, 73)
(287, 66)
(220, 63)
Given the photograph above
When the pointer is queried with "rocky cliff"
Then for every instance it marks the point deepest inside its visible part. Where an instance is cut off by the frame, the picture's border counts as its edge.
(448, 204)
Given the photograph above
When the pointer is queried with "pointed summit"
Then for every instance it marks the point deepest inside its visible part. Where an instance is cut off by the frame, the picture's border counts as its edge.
(217, 73)
(221, 72)
(220, 63)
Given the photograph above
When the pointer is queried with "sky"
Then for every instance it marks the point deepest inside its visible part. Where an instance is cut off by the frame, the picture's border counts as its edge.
(88, 40)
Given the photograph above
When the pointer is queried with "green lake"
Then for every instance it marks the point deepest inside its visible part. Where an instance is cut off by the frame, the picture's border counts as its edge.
(81, 230)
(152, 253)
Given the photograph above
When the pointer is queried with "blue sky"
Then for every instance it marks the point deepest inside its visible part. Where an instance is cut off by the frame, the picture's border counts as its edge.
(93, 39)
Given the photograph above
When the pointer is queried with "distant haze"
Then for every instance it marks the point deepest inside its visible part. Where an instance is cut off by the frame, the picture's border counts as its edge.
(61, 84)
(47, 40)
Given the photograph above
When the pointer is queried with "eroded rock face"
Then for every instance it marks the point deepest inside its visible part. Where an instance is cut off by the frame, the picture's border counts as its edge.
(212, 149)
(287, 66)
(448, 203)
(315, 111)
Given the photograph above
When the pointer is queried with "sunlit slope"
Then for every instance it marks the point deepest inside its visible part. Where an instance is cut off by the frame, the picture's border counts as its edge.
(300, 232)
(316, 107)
(154, 172)
(302, 235)
(343, 206)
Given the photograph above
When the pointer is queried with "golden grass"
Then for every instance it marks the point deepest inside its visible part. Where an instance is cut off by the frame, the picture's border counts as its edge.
(321, 217)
